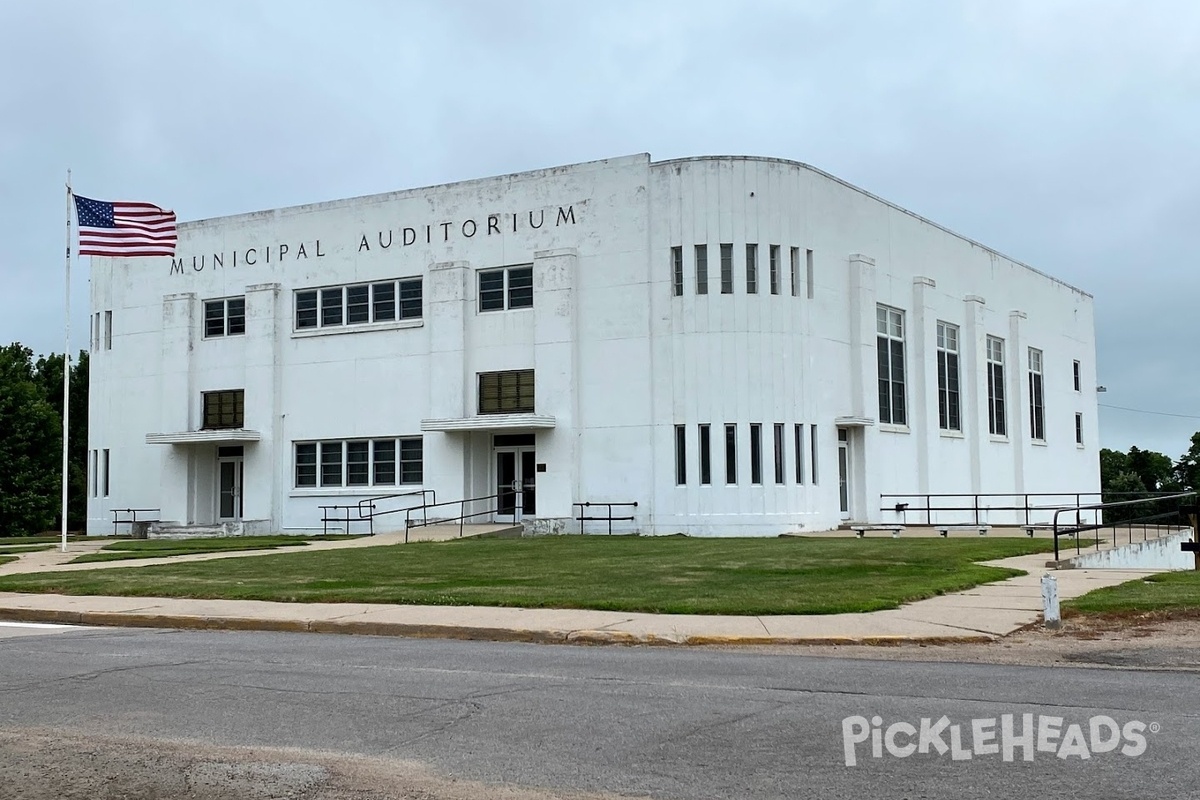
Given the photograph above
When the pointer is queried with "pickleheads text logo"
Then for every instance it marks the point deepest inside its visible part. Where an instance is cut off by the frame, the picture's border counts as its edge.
(1003, 737)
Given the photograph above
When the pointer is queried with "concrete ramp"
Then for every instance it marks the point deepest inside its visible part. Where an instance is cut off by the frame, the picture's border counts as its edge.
(1162, 553)
(443, 533)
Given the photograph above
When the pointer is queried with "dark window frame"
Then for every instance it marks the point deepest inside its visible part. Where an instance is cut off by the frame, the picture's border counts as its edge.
(510, 391)
(508, 288)
(229, 314)
(223, 409)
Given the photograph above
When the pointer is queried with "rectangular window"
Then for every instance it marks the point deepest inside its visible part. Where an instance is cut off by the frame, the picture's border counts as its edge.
(1078, 428)
(949, 403)
(701, 269)
(225, 317)
(306, 309)
(508, 392)
(96, 331)
(108, 330)
(104, 468)
(756, 453)
(214, 318)
(384, 464)
(808, 272)
(889, 329)
(799, 437)
(997, 417)
(331, 306)
(383, 301)
(506, 288)
(410, 299)
(680, 455)
(795, 271)
(812, 441)
(224, 409)
(412, 470)
(358, 463)
(752, 269)
(677, 271)
(774, 268)
(331, 463)
(780, 458)
(730, 453)
(358, 304)
(705, 456)
(1037, 403)
(726, 269)
(95, 473)
(1075, 368)
(306, 464)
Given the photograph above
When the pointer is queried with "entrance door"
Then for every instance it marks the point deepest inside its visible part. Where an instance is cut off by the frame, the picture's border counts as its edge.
(516, 483)
(844, 472)
(230, 480)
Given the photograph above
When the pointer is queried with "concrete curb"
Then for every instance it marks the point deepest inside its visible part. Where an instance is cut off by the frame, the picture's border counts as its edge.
(463, 632)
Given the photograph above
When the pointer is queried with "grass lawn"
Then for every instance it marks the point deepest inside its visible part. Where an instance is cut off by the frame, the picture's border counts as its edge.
(1167, 594)
(6, 549)
(6, 559)
(5, 541)
(163, 548)
(652, 574)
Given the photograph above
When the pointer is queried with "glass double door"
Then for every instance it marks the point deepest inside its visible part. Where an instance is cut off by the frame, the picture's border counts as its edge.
(516, 483)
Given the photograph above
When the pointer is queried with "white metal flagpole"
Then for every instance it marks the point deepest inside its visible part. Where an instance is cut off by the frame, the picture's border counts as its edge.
(67, 369)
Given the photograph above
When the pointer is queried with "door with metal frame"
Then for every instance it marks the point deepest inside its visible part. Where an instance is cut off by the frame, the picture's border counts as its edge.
(844, 472)
(230, 482)
(516, 479)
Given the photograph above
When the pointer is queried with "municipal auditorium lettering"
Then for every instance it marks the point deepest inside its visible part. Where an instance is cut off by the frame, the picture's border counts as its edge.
(404, 236)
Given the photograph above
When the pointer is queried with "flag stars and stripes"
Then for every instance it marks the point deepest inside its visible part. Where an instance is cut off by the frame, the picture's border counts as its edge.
(124, 229)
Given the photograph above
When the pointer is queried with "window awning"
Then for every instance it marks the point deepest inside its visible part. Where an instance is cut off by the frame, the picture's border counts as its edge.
(490, 422)
(853, 422)
(218, 436)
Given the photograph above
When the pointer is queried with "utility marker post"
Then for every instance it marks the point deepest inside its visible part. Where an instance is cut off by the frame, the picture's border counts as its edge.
(1050, 601)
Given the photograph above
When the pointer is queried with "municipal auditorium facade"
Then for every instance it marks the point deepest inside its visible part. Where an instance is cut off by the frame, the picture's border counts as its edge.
(741, 346)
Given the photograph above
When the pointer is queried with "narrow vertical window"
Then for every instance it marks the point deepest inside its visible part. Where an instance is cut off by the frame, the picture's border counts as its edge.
(108, 330)
(1037, 403)
(95, 470)
(752, 269)
(677, 271)
(997, 417)
(1075, 368)
(889, 328)
(705, 456)
(331, 306)
(96, 331)
(383, 301)
(774, 268)
(331, 463)
(104, 467)
(1078, 428)
(358, 304)
(812, 441)
(730, 453)
(808, 272)
(795, 271)
(384, 463)
(755, 453)
(306, 464)
(726, 269)
(949, 404)
(358, 463)
(680, 455)
(412, 461)
(701, 269)
(799, 436)
(780, 457)
(306, 309)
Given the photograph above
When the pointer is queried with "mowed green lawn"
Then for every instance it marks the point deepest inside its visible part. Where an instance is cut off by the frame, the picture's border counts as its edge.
(1168, 593)
(164, 548)
(650, 574)
(8, 549)
(6, 559)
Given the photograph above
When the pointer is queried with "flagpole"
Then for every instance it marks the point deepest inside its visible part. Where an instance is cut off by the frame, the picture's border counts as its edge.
(66, 371)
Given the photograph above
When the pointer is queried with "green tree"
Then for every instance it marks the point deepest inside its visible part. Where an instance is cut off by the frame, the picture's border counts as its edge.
(1156, 470)
(47, 372)
(1187, 469)
(30, 447)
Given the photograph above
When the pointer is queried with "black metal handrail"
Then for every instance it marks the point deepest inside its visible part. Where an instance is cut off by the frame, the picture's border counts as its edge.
(1028, 502)
(366, 509)
(1078, 529)
(609, 516)
(133, 520)
(463, 516)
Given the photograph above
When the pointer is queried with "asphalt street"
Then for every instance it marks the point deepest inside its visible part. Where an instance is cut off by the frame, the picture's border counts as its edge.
(659, 722)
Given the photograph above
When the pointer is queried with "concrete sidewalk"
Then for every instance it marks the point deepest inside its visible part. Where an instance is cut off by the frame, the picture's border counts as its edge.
(977, 615)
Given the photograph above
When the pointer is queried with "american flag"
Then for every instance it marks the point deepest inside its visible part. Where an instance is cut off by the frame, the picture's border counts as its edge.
(124, 229)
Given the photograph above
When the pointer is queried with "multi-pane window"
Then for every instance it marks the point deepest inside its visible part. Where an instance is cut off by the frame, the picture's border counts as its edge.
(359, 462)
(780, 458)
(731, 453)
(1075, 369)
(358, 304)
(889, 329)
(997, 416)
(726, 269)
(506, 288)
(225, 317)
(755, 453)
(680, 454)
(224, 409)
(752, 269)
(1037, 403)
(508, 392)
(949, 402)
(701, 269)
(773, 259)
(1078, 428)
(705, 456)
(677, 271)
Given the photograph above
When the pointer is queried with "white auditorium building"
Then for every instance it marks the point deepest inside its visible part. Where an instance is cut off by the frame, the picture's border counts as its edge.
(741, 346)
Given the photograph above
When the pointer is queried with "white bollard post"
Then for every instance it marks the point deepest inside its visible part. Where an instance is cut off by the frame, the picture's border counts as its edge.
(1050, 601)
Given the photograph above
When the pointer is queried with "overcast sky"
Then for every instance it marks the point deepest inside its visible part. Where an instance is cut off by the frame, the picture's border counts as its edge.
(1063, 134)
